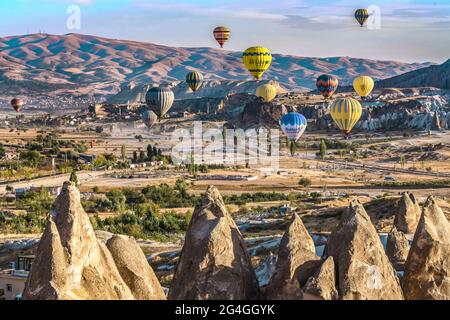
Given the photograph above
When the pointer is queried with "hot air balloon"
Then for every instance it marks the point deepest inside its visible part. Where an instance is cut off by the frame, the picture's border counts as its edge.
(361, 16)
(293, 125)
(160, 100)
(257, 60)
(363, 86)
(222, 35)
(346, 113)
(17, 104)
(150, 118)
(267, 92)
(194, 80)
(327, 85)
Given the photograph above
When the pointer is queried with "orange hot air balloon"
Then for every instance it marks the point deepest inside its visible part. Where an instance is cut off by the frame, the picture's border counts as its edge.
(222, 35)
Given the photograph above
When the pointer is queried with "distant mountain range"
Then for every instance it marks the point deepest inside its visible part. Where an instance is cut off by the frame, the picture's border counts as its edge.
(83, 65)
(434, 76)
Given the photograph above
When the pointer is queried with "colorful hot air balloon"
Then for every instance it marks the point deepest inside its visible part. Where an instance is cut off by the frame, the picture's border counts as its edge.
(160, 100)
(194, 80)
(363, 86)
(267, 92)
(222, 35)
(257, 60)
(150, 118)
(346, 113)
(293, 125)
(17, 104)
(327, 85)
(361, 16)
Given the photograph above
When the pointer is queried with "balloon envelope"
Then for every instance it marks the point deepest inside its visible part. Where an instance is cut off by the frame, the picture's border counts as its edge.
(293, 125)
(346, 113)
(160, 100)
(267, 92)
(150, 118)
(361, 16)
(17, 104)
(363, 86)
(194, 80)
(327, 85)
(257, 60)
(222, 35)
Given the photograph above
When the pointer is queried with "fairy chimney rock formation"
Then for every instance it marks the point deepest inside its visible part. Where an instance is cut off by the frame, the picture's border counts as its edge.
(214, 263)
(427, 269)
(322, 285)
(297, 261)
(363, 269)
(71, 264)
(397, 248)
(408, 214)
(135, 269)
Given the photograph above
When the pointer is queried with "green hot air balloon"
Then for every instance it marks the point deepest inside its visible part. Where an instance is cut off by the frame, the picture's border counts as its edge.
(194, 80)
(160, 100)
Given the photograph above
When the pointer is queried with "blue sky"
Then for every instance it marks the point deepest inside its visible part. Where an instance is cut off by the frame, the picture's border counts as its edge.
(411, 30)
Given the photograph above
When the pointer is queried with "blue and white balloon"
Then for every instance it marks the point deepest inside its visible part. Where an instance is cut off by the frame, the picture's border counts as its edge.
(293, 125)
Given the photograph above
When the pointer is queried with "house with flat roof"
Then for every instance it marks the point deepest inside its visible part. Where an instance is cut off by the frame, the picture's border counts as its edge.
(12, 281)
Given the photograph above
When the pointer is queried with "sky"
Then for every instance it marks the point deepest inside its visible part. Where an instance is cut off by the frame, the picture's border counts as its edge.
(401, 30)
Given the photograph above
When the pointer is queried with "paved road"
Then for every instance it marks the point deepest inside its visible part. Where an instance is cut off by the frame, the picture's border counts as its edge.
(54, 181)
(372, 167)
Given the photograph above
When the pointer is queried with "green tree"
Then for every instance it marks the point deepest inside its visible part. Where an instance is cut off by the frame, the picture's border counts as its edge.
(293, 147)
(73, 177)
(142, 157)
(150, 152)
(123, 152)
(135, 157)
(402, 161)
(181, 186)
(323, 149)
(305, 182)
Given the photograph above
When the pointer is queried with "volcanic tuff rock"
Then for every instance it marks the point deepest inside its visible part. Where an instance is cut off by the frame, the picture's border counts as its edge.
(322, 285)
(408, 214)
(297, 261)
(397, 248)
(258, 113)
(134, 268)
(70, 262)
(427, 269)
(364, 271)
(214, 263)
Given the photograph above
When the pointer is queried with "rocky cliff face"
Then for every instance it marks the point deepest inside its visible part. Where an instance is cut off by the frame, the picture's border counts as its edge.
(322, 285)
(397, 248)
(408, 214)
(134, 268)
(297, 261)
(71, 263)
(427, 269)
(258, 113)
(214, 263)
(363, 269)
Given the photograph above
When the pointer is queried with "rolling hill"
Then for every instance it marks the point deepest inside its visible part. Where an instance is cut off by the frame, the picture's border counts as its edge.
(78, 64)
(434, 76)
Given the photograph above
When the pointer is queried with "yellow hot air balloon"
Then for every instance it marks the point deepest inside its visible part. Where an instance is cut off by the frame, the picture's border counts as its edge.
(363, 86)
(346, 113)
(257, 60)
(267, 92)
